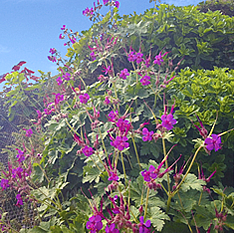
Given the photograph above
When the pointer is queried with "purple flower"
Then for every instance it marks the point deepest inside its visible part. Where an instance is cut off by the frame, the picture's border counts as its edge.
(84, 98)
(87, 151)
(145, 80)
(17, 172)
(66, 76)
(58, 98)
(147, 175)
(131, 57)
(93, 57)
(117, 4)
(53, 51)
(19, 200)
(52, 58)
(59, 81)
(213, 143)
(63, 27)
(123, 125)
(159, 58)
(106, 101)
(147, 135)
(143, 227)
(111, 229)
(168, 121)
(123, 74)
(20, 155)
(29, 132)
(4, 184)
(105, 2)
(139, 58)
(73, 40)
(107, 70)
(120, 143)
(113, 115)
(61, 36)
(94, 224)
(113, 176)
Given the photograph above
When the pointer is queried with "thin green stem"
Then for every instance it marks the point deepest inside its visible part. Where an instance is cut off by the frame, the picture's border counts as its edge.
(72, 129)
(137, 155)
(125, 176)
(103, 144)
(199, 202)
(190, 166)
(96, 164)
(146, 202)
(44, 173)
(169, 201)
(165, 155)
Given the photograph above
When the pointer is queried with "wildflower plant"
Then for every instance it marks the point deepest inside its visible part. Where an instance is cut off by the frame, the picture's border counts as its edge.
(113, 138)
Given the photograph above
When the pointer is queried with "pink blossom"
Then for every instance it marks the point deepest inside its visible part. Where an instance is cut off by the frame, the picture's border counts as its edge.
(124, 73)
(145, 80)
(87, 151)
(213, 143)
(168, 121)
(84, 98)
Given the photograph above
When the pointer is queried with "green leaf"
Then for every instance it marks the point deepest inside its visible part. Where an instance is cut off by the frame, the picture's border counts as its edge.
(192, 182)
(157, 218)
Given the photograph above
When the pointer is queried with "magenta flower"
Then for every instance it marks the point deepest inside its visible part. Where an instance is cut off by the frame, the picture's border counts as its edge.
(105, 2)
(145, 80)
(59, 81)
(58, 98)
(39, 115)
(29, 132)
(106, 101)
(73, 40)
(67, 76)
(20, 155)
(84, 98)
(159, 58)
(123, 125)
(148, 175)
(93, 56)
(213, 143)
(117, 4)
(143, 227)
(113, 116)
(131, 57)
(123, 74)
(53, 51)
(19, 200)
(107, 70)
(52, 58)
(63, 27)
(139, 58)
(87, 151)
(120, 143)
(113, 176)
(17, 172)
(168, 121)
(111, 229)
(94, 224)
(147, 135)
(61, 36)
(4, 184)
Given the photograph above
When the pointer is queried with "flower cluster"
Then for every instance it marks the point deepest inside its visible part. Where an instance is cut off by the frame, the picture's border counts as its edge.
(168, 120)
(121, 129)
(16, 178)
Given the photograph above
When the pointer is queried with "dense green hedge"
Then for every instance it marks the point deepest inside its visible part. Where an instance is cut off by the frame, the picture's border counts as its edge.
(224, 6)
(206, 93)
